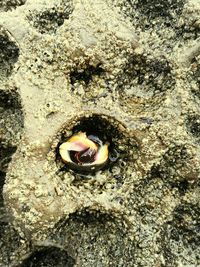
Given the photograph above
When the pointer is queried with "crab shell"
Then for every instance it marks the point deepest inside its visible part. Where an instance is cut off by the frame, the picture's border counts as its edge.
(79, 143)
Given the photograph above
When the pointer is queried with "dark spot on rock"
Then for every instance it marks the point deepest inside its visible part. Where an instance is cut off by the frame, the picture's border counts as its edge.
(182, 186)
(88, 218)
(8, 49)
(51, 115)
(85, 75)
(182, 231)
(9, 53)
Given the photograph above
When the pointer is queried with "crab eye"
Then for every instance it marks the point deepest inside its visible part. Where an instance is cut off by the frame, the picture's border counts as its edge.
(84, 153)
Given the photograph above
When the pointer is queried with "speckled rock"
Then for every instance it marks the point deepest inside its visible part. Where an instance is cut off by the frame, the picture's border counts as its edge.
(127, 71)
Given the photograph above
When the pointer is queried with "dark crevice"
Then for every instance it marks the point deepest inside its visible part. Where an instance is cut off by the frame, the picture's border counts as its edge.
(85, 75)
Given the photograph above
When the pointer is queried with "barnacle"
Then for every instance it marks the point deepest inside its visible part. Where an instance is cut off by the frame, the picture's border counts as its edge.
(84, 153)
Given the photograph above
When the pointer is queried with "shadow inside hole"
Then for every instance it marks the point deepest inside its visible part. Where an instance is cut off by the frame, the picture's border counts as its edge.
(106, 129)
(172, 181)
(187, 32)
(85, 75)
(196, 75)
(9, 53)
(49, 257)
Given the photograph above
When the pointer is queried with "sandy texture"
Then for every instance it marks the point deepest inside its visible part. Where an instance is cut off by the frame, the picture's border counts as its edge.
(129, 72)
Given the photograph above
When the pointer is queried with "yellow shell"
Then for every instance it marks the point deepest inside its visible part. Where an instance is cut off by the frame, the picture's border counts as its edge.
(84, 153)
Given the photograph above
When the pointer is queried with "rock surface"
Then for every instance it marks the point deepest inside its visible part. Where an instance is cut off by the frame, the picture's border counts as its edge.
(127, 70)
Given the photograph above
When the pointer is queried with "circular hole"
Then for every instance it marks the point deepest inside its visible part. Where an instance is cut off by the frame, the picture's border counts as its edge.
(145, 83)
(9, 53)
(104, 128)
